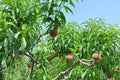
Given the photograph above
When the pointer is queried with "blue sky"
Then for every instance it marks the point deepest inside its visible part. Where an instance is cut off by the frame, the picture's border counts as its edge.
(107, 9)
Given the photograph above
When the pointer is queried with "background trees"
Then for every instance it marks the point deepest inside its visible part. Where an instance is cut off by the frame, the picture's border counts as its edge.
(26, 43)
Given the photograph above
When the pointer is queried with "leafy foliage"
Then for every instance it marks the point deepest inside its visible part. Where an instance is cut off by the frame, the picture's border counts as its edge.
(93, 35)
(24, 39)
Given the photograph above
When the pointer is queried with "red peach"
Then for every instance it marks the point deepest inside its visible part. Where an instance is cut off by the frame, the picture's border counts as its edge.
(69, 57)
(52, 51)
(53, 33)
(29, 65)
(96, 56)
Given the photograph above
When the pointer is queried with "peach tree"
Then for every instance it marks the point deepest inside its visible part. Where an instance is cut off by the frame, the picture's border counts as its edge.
(92, 40)
(36, 43)
(23, 24)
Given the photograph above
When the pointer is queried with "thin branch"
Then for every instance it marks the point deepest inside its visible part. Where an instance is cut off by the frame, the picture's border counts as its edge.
(39, 38)
(87, 64)
(30, 49)
(49, 58)
(66, 71)
(83, 61)
(29, 55)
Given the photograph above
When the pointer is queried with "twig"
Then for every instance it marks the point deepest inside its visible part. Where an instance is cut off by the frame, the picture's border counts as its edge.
(29, 55)
(83, 61)
(66, 71)
(30, 49)
(39, 38)
(49, 58)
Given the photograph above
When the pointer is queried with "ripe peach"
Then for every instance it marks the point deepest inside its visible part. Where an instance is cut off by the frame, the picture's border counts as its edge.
(69, 57)
(109, 76)
(53, 33)
(96, 56)
(29, 65)
(52, 51)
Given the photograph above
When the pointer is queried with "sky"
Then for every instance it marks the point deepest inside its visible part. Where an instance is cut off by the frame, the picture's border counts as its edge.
(107, 9)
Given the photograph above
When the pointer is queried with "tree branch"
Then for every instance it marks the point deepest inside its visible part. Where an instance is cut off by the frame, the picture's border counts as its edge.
(29, 55)
(35, 42)
(83, 61)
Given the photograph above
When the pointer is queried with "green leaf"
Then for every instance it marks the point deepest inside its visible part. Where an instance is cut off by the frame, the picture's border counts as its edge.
(17, 34)
(0, 14)
(10, 34)
(11, 18)
(8, 62)
(60, 17)
(1, 58)
(67, 9)
(0, 47)
(23, 43)
(80, 0)
(83, 75)
(6, 45)
(10, 23)
(90, 36)
(72, 3)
